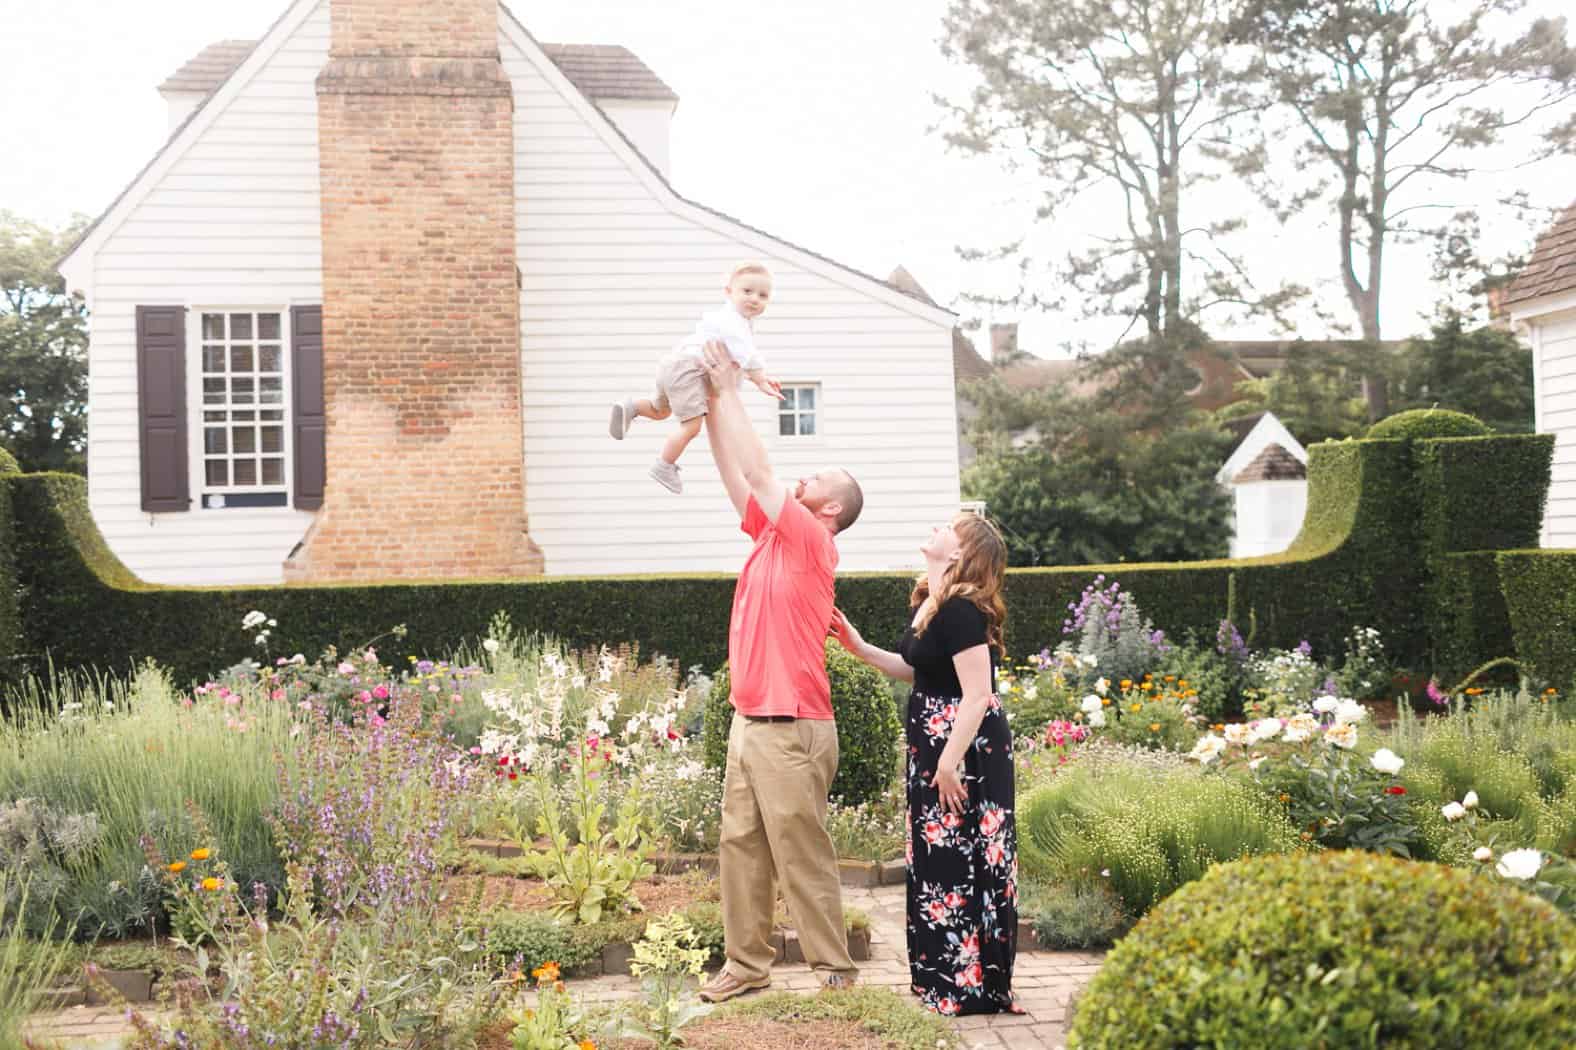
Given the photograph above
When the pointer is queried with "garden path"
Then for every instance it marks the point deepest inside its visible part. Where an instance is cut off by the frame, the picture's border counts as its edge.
(1044, 981)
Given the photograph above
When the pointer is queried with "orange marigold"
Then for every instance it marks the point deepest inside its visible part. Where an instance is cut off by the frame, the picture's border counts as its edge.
(210, 884)
(201, 854)
(177, 867)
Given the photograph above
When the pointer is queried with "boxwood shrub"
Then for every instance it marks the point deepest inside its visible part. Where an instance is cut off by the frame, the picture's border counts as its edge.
(1540, 594)
(1419, 423)
(1344, 949)
(868, 726)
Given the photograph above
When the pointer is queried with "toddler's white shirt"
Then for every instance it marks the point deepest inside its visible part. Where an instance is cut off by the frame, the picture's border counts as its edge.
(729, 327)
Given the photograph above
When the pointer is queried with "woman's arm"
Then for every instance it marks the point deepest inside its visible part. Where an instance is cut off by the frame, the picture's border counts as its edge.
(973, 667)
(890, 664)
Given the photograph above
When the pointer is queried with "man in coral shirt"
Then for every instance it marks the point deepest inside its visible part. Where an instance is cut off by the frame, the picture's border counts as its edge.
(782, 746)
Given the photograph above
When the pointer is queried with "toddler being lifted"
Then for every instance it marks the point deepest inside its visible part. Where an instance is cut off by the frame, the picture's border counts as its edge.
(681, 374)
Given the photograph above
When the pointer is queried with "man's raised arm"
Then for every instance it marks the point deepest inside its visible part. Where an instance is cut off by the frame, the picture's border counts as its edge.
(740, 456)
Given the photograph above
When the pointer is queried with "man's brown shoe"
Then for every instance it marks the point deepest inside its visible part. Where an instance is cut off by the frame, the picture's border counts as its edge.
(726, 986)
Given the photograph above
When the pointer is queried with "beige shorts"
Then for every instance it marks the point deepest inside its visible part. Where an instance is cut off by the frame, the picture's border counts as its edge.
(681, 386)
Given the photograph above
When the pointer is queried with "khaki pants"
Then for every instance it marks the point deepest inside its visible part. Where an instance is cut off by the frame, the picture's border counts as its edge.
(774, 831)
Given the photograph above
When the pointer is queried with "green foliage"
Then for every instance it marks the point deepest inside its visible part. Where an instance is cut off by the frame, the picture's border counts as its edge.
(526, 940)
(8, 463)
(1485, 372)
(1315, 393)
(1540, 595)
(43, 349)
(1155, 722)
(1419, 423)
(868, 727)
(1151, 832)
(1483, 493)
(668, 960)
(1074, 916)
(877, 1011)
(1216, 679)
(26, 965)
(1340, 800)
(1343, 949)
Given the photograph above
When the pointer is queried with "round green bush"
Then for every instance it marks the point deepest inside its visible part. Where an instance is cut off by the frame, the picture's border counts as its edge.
(1338, 949)
(8, 464)
(1419, 423)
(868, 726)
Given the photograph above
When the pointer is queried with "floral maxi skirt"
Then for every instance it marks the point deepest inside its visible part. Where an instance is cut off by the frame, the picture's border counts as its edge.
(962, 868)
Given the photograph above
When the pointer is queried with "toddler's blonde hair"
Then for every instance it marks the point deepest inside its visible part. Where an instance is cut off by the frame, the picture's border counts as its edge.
(748, 267)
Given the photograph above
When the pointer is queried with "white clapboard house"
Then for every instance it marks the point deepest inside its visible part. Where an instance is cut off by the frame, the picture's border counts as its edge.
(218, 482)
(1542, 303)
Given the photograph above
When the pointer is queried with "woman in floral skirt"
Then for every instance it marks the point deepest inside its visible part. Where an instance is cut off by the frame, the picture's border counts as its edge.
(962, 848)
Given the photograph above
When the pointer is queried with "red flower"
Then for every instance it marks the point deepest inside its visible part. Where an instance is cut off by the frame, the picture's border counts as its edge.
(951, 820)
(954, 899)
(1395, 789)
(938, 911)
(971, 976)
(933, 833)
(947, 1005)
(514, 776)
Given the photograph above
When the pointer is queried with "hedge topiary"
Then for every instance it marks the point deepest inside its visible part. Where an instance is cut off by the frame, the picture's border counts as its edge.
(1540, 593)
(8, 463)
(1419, 423)
(868, 726)
(1339, 949)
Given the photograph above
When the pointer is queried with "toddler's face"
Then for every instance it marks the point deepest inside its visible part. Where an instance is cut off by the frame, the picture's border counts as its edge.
(749, 293)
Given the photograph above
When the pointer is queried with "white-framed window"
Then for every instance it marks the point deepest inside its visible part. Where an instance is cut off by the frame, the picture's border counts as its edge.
(240, 405)
(799, 412)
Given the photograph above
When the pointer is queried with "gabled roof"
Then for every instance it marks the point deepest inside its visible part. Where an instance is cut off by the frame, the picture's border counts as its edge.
(1552, 268)
(1274, 463)
(608, 71)
(297, 10)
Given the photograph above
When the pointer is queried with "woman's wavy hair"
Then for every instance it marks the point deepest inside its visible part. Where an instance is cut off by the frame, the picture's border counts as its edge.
(977, 575)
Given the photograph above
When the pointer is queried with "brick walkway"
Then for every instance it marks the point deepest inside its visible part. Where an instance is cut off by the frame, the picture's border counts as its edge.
(1044, 982)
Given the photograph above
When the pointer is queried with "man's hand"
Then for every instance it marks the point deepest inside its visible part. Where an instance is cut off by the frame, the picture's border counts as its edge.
(721, 369)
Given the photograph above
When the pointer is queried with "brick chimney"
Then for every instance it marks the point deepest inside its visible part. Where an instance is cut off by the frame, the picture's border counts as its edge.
(421, 307)
(1003, 343)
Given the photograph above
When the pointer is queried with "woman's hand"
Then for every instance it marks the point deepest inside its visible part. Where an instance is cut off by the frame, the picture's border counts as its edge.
(949, 785)
(846, 634)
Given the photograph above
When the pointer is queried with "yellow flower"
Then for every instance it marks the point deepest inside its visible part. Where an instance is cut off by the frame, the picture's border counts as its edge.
(1551, 691)
(1127, 683)
(210, 884)
(1154, 727)
(548, 971)
(1148, 684)
(1105, 701)
(1171, 677)
(1181, 683)
(1285, 797)
(200, 854)
(586, 1044)
(177, 867)
(1136, 707)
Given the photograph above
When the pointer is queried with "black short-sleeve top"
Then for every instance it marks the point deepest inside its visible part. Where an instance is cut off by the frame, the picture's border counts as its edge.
(958, 626)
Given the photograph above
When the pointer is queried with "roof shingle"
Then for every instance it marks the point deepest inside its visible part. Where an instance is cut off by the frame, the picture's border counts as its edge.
(1552, 268)
(602, 71)
(1272, 464)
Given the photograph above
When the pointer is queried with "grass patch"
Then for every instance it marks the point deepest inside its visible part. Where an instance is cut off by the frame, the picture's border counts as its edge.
(876, 1010)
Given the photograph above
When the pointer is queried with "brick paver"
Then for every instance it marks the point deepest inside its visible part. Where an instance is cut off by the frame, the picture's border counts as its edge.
(1044, 981)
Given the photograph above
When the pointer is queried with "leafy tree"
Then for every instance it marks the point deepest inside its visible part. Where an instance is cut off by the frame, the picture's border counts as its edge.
(1389, 101)
(1316, 394)
(1133, 98)
(1485, 372)
(43, 350)
(1075, 483)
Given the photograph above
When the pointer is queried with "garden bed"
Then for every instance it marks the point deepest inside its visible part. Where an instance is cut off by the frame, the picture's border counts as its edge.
(857, 874)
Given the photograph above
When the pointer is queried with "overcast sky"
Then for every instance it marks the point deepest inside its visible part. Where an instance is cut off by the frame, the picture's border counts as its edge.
(807, 118)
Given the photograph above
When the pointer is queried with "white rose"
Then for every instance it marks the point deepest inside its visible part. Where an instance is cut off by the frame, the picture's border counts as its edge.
(1237, 733)
(1483, 854)
(1264, 729)
(1387, 761)
(1097, 719)
(1520, 863)
(491, 645)
(253, 619)
(1324, 705)
(1102, 685)
(1342, 735)
(1453, 810)
(1299, 728)
(1349, 712)
(1207, 749)
(1090, 704)
(1471, 801)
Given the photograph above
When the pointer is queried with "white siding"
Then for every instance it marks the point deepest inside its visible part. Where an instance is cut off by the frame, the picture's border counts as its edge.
(614, 274)
(1555, 345)
(232, 222)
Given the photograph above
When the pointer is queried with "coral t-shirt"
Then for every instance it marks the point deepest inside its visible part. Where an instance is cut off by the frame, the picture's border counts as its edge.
(782, 608)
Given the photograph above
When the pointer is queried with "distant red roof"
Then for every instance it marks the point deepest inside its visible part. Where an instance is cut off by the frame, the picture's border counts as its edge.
(1552, 268)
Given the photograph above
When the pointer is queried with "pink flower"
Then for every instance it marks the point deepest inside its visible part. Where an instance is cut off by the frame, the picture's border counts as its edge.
(995, 854)
(947, 1005)
(991, 821)
(971, 976)
(456, 698)
(954, 899)
(951, 821)
(346, 667)
(277, 694)
(593, 742)
(933, 833)
(365, 697)
(381, 692)
(970, 946)
(938, 911)
(936, 725)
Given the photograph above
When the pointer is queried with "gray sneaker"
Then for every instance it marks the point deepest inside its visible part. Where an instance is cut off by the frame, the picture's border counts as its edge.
(623, 415)
(668, 475)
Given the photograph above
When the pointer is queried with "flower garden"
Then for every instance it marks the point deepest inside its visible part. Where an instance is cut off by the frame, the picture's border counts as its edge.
(390, 841)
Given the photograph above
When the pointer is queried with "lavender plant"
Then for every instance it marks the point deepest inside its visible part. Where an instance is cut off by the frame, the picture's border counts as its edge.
(1114, 639)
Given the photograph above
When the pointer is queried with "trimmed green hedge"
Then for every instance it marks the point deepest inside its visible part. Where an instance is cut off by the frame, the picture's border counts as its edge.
(1420, 423)
(8, 463)
(10, 605)
(1540, 592)
(1362, 558)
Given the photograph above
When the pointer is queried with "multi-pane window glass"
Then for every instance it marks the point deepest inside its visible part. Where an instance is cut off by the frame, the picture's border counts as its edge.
(243, 403)
(796, 412)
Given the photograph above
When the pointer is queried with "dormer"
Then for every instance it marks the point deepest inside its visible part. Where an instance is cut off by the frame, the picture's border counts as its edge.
(185, 90)
(634, 98)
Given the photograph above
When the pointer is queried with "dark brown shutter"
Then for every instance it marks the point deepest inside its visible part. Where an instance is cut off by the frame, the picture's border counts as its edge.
(306, 406)
(161, 407)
